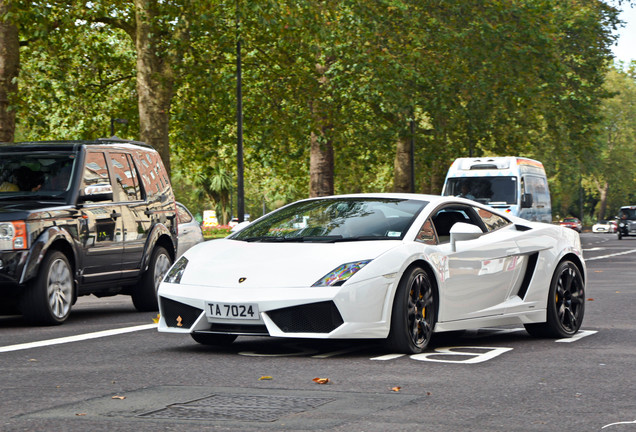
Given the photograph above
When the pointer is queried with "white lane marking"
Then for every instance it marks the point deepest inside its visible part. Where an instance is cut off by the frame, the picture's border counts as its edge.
(388, 357)
(470, 357)
(619, 423)
(593, 249)
(76, 338)
(579, 335)
(610, 255)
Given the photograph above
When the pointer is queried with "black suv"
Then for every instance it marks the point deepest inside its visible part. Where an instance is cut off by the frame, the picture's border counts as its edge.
(626, 220)
(79, 218)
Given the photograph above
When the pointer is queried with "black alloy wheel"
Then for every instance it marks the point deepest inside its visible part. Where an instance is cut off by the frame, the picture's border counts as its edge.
(414, 313)
(566, 304)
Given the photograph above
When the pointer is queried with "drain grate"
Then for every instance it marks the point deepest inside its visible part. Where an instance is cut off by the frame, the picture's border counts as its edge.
(238, 407)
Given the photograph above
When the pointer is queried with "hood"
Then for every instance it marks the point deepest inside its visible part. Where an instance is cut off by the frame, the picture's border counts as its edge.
(16, 210)
(222, 263)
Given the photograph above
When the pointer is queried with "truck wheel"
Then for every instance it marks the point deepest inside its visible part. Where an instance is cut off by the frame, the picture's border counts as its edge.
(144, 296)
(48, 298)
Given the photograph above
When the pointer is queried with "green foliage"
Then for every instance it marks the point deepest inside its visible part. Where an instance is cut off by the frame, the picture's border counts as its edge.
(476, 77)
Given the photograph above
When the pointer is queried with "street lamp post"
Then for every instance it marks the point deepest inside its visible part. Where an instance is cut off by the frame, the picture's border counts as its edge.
(240, 202)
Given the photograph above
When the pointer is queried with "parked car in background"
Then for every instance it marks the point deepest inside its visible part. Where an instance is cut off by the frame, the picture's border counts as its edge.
(79, 218)
(573, 223)
(626, 222)
(397, 267)
(189, 230)
(604, 226)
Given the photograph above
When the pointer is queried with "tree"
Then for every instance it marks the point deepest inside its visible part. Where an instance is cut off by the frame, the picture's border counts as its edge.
(611, 178)
(9, 66)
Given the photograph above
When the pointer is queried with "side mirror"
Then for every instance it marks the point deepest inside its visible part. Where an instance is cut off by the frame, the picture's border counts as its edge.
(526, 200)
(462, 231)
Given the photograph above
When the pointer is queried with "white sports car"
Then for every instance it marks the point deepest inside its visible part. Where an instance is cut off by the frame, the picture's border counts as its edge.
(397, 267)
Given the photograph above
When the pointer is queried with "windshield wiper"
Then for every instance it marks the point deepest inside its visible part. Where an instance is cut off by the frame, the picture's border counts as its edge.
(367, 238)
(299, 239)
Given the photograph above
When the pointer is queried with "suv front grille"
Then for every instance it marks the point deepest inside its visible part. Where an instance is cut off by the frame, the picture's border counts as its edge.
(320, 317)
(177, 314)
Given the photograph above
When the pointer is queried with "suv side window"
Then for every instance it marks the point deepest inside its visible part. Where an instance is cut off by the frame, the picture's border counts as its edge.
(127, 186)
(95, 178)
(154, 179)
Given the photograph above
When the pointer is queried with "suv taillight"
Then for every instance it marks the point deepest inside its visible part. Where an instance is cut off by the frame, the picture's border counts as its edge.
(13, 235)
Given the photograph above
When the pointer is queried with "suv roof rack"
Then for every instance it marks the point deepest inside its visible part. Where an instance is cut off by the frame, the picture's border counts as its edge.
(110, 140)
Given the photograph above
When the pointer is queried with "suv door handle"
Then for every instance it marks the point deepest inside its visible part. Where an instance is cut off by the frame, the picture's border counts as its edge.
(114, 215)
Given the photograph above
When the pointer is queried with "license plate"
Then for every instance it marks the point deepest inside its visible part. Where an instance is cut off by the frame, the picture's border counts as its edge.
(233, 311)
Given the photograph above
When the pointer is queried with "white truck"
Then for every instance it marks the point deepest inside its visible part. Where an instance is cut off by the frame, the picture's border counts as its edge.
(512, 184)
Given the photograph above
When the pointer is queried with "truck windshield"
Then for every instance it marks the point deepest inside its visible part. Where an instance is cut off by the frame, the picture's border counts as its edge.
(486, 190)
(627, 213)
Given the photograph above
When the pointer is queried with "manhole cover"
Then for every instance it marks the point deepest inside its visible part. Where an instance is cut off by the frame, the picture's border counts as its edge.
(255, 408)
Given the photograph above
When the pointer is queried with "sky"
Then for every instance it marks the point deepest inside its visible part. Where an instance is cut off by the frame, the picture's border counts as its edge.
(626, 48)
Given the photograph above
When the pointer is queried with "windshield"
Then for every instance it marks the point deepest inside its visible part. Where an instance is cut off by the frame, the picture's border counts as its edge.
(486, 190)
(35, 174)
(336, 219)
(627, 213)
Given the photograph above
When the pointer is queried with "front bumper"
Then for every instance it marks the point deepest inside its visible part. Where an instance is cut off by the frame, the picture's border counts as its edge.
(11, 268)
(358, 310)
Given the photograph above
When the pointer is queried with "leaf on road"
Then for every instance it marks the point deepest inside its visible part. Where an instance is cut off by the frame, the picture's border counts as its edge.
(156, 320)
(80, 414)
(321, 380)
(396, 389)
(119, 397)
(265, 378)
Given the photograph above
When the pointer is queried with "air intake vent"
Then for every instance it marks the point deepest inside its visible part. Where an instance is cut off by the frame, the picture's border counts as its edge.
(525, 284)
(177, 314)
(320, 317)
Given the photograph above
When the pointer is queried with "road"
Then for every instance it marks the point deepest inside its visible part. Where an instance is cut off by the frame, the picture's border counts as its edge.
(107, 369)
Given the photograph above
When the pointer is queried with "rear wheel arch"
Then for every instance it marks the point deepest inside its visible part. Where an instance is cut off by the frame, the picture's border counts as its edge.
(577, 261)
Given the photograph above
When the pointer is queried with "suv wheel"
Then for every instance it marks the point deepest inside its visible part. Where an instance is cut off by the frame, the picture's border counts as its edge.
(48, 298)
(144, 296)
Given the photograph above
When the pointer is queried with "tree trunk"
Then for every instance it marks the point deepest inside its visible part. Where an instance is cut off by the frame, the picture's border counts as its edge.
(320, 166)
(155, 81)
(402, 166)
(603, 190)
(9, 66)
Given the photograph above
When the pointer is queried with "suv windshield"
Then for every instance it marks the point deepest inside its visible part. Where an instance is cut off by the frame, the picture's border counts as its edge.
(335, 219)
(627, 213)
(37, 174)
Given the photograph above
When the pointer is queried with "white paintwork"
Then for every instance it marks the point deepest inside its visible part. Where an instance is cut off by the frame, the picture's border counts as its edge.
(477, 282)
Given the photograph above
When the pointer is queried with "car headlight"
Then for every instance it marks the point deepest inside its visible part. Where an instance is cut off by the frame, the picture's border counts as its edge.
(341, 274)
(176, 271)
(13, 235)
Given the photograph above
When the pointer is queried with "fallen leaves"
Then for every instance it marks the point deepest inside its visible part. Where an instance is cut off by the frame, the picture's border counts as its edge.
(266, 378)
(321, 380)
(156, 320)
(119, 397)
(396, 389)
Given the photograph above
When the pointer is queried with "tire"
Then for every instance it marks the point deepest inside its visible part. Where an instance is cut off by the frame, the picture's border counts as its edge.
(144, 296)
(414, 313)
(566, 304)
(213, 339)
(48, 298)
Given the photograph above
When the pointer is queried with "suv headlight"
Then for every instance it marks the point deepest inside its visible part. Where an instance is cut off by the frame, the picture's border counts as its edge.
(13, 235)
